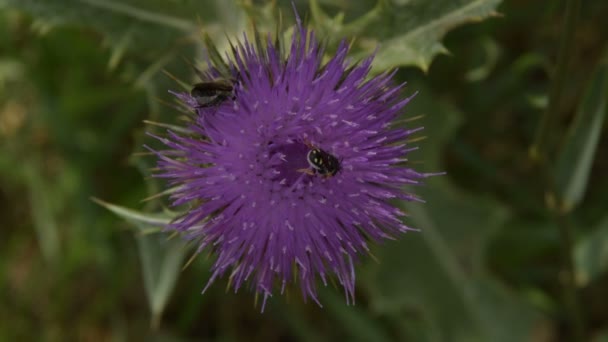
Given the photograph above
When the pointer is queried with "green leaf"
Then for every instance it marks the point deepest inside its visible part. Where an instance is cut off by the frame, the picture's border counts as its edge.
(492, 55)
(601, 336)
(10, 70)
(591, 255)
(407, 32)
(215, 56)
(137, 217)
(361, 327)
(290, 315)
(439, 272)
(43, 214)
(161, 257)
(152, 24)
(162, 261)
(156, 31)
(576, 158)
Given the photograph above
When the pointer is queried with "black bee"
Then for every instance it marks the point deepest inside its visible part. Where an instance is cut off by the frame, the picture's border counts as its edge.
(322, 163)
(210, 94)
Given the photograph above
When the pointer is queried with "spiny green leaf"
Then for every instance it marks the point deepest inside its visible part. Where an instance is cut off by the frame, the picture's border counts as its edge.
(407, 32)
(215, 56)
(576, 158)
(137, 217)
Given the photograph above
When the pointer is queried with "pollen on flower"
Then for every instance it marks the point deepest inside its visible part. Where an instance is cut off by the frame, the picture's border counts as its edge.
(291, 165)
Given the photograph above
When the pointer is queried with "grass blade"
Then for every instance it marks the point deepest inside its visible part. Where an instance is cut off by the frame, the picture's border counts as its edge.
(576, 158)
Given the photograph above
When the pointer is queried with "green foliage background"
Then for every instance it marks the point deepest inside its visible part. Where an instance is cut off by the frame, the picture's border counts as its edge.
(79, 77)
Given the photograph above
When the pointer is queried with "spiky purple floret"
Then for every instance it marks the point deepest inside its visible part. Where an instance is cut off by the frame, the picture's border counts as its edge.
(240, 170)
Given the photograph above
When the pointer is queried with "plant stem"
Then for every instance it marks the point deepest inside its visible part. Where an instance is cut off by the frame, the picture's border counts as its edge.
(542, 155)
(539, 147)
(566, 277)
(571, 300)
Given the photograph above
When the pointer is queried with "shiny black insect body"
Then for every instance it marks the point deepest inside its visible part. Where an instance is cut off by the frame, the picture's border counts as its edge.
(322, 162)
(210, 94)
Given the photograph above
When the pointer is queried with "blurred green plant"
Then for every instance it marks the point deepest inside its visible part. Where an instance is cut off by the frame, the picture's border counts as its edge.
(78, 76)
(404, 32)
(574, 162)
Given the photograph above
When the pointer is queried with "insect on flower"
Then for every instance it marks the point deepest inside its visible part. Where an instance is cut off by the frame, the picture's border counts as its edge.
(210, 94)
(242, 173)
(321, 162)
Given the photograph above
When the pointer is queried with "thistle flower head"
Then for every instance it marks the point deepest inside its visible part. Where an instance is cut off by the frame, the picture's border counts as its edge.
(291, 166)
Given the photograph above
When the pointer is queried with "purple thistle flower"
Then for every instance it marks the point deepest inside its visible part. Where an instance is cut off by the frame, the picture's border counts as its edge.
(257, 195)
